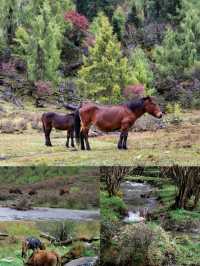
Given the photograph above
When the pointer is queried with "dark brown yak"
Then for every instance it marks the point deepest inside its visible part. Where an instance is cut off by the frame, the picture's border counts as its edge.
(44, 258)
(111, 118)
(62, 122)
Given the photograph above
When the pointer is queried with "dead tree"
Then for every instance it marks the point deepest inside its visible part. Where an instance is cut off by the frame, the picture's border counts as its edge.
(113, 176)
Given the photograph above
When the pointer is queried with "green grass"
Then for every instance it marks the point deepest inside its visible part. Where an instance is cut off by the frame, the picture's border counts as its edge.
(189, 253)
(33, 174)
(145, 148)
(112, 208)
(184, 215)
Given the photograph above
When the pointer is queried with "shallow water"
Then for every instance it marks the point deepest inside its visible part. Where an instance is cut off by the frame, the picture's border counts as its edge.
(8, 214)
(134, 197)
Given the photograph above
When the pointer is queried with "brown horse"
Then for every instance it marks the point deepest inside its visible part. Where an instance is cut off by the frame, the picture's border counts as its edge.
(63, 122)
(44, 258)
(111, 118)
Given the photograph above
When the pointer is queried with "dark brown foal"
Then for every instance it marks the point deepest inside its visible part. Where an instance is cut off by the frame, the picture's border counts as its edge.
(62, 122)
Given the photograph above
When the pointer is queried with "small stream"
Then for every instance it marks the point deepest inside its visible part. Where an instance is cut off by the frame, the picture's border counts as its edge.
(56, 214)
(139, 199)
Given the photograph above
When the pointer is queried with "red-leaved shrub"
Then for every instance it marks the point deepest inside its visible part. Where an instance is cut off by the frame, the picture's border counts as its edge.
(43, 88)
(79, 21)
(132, 91)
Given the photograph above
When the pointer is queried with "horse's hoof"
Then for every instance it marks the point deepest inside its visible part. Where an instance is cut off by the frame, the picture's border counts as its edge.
(119, 147)
(49, 145)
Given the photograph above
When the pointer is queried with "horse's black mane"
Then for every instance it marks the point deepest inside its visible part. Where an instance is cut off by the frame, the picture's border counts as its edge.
(136, 104)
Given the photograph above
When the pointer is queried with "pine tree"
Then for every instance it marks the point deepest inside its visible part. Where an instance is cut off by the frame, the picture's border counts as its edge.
(40, 38)
(105, 71)
(9, 19)
(141, 68)
(180, 48)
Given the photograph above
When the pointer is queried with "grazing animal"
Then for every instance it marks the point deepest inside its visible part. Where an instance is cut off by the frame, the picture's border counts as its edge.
(110, 118)
(32, 192)
(44, 258)
(62, 122)
(63, 191)
(15, 191)
(31, 243)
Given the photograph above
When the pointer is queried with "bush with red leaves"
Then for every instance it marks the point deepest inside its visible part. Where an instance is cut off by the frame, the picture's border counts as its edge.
(79, 21)
(43, 88)
(132, 91)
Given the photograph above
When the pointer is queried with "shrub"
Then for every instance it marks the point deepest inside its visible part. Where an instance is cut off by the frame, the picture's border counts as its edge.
(7, 126)
(133, 91)
(79, 21)
(175, 112)
(20, 124)
(140, 244)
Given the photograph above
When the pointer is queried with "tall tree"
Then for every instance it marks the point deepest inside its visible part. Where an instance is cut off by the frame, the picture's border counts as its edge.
(9, 19)
(90, 8)
(105, 70)
(40, 38)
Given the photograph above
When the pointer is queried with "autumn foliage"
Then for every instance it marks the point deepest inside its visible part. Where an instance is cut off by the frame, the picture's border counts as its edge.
(79, 21)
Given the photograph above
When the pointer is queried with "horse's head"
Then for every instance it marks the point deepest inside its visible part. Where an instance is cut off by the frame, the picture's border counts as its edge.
(151, 107)
(24, 248)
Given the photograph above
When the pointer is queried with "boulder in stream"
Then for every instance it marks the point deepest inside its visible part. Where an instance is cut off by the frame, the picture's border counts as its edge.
(83, 261)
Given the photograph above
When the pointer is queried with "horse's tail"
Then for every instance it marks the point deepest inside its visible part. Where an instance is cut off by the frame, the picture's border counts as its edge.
(77, 126)
(42, 119)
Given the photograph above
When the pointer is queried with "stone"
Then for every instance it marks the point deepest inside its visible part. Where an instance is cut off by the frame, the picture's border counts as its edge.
(83, 261)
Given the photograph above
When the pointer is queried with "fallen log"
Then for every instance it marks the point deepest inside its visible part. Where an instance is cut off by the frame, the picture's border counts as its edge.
(70, 241)
(48, 237)
(70, 106)
(3, 235)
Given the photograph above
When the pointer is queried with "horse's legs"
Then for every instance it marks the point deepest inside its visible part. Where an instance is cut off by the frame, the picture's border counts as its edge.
(84, 133)
(124, 144)
(47, 137)
(120, 140)
(82, 140)
(68, 137)
(72, 138)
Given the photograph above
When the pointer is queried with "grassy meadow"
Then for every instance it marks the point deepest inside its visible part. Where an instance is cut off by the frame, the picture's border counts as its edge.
(174, 144)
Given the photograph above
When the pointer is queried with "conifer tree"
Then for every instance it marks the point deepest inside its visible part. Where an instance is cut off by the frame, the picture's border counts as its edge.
(9, 19)
(141, 68)
(40, 38)
(105, 71)
(180, 48)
